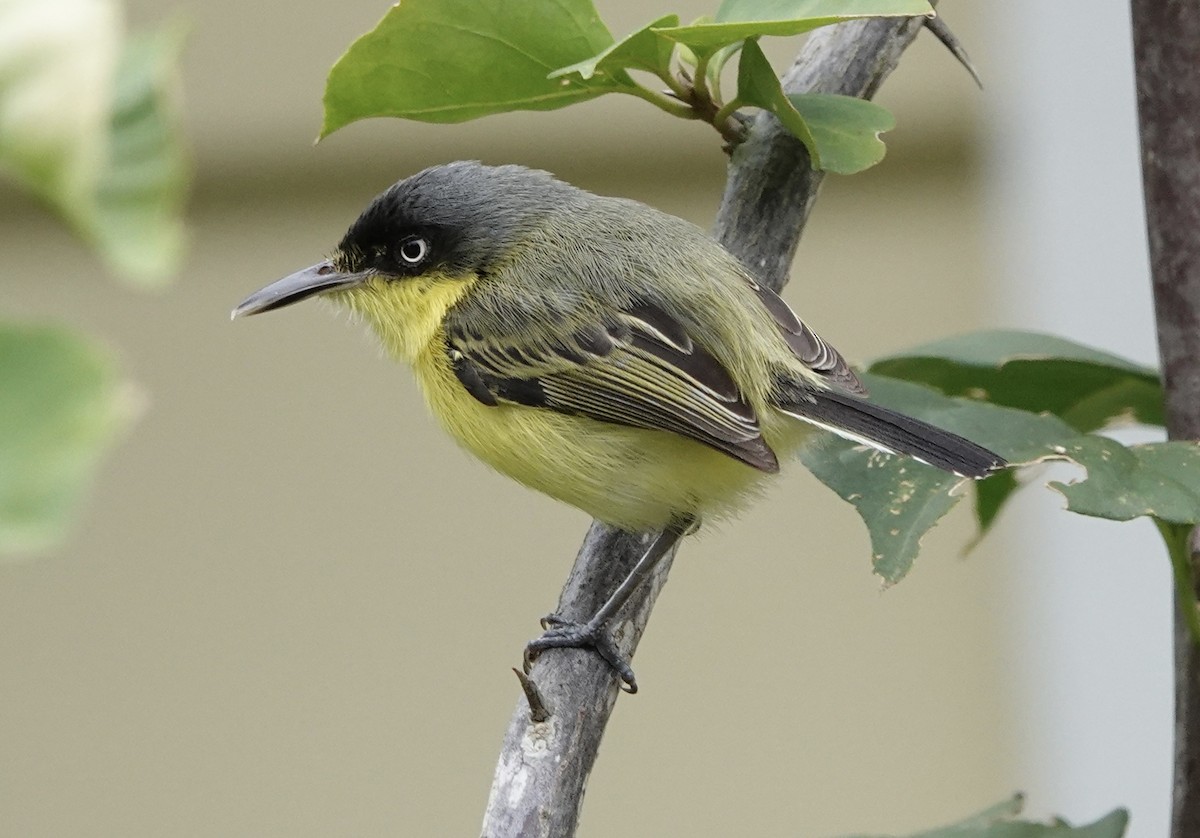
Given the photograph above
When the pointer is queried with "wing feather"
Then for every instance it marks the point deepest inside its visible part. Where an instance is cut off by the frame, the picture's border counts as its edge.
(808, 346)
(636, 366)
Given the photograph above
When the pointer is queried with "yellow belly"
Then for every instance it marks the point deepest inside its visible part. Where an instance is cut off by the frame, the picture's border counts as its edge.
(632, 478)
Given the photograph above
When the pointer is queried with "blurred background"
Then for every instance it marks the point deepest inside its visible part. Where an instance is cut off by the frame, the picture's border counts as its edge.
(273, 621)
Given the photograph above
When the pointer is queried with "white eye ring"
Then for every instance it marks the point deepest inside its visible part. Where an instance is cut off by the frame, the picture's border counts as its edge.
(414, 251)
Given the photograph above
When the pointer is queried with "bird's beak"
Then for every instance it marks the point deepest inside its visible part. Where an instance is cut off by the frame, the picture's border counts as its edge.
(318, 279)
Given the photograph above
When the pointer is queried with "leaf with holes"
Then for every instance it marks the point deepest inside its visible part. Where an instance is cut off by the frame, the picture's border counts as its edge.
(1158, 480)
(1087, 388)
(901, 499)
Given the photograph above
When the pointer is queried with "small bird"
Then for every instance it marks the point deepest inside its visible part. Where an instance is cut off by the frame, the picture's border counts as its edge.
(609, 355)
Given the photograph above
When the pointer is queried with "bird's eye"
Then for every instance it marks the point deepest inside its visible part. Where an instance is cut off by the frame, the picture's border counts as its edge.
(414, 251)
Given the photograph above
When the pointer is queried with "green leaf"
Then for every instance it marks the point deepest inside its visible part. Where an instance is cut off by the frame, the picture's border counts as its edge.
(844, 129)
(1087, 388)
(644, 49)
(738, 20)
(998, 822)
(841, 133)
(717, 62)
(900, 499)
(990, 496)
(90, 128)
(61, 405)
(1157, 479)
(995, 347)
(454, 60)
(759, 86)
(139, 202)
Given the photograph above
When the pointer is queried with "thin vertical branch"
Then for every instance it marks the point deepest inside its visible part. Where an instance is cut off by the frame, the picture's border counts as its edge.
(1166, 40)
(544, 765)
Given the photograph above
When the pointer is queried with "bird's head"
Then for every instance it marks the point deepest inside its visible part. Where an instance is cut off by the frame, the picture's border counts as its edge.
(443, 223)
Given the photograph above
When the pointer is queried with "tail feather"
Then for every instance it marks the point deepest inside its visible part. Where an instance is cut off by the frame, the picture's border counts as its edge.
(887, 430)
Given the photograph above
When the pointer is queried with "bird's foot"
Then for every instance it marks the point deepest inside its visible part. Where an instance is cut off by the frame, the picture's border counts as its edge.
(567, 634)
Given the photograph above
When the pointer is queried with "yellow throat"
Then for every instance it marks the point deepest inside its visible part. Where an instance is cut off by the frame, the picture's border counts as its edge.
(408, 314)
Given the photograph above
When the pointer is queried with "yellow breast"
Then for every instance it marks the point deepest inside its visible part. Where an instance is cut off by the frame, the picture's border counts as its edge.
(407, 314)
(629, 477)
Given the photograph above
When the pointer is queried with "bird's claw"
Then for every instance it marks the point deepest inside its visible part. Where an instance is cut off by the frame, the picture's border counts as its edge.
(566, 634)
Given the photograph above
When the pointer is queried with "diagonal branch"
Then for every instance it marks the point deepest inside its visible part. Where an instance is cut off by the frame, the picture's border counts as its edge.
(544, 765)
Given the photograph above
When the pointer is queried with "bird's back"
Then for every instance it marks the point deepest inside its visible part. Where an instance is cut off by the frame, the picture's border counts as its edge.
(586, 261)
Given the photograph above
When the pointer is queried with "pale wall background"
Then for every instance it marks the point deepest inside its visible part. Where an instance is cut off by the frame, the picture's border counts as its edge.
(292, 605)
(1089, 601)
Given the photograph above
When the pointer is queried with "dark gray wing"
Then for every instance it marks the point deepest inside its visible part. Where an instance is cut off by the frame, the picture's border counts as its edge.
(807, 345)
(635, 366)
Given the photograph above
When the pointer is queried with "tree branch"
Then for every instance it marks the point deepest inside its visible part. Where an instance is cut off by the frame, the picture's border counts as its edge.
(772, 186)
(544, 765)
(1166, 41)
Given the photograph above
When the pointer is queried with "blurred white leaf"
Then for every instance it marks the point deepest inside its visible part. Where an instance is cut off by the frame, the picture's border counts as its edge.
(88, 124)
(58, 60)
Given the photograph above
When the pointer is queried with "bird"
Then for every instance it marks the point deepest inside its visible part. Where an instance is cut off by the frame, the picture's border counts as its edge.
(607, 354)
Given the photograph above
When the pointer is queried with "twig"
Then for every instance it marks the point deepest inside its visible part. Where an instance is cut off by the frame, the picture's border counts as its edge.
(544, 766)
(941, 30)
(538, 711)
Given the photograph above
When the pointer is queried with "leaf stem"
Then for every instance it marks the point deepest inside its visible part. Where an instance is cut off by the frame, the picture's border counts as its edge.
(700, 83)
(714, 84)
(679, 109)
(727, 110)
(1177, 539)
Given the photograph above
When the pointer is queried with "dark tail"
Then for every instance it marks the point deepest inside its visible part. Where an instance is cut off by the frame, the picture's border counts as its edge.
(878, 427)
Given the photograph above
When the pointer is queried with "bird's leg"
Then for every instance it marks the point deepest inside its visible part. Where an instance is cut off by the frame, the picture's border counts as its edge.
(594, 634)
